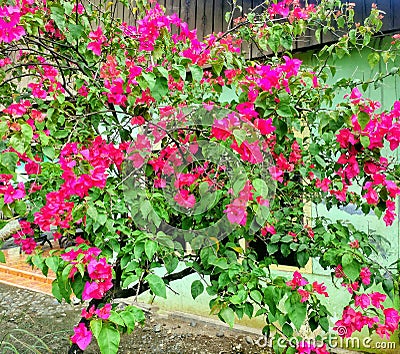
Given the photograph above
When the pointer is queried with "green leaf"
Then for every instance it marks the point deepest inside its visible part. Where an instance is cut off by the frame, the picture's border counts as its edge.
(17, 143)
(196, 289)
(228, 316)
(92, 212)
(108, 339)
(157, 285)
(129, 320)
(150, 78)
(249, 309)
(171, 262)
(57, 14)
(297, 314)
(320, 161)
(365, 141)
(260, 186)
(352, 270)
(116, 318)
(27, 133)
(363, 119)
(197, 72)
(256, 296)
(95, 327)
(181, 70)
(284, 110)
(160, 88)
(55, 290)
(287, 330)
(9, 160)
(150, 248)
(228, 95)
(373, 59)
(146, 208)
(3, 128)
(240, 136)
(2, 257)
(164, 72)
(239, 298)
(324, 323)
(60, 134)
(346, 259)
(274, 41)
(20, 207)
(388, 287)
(49, 152)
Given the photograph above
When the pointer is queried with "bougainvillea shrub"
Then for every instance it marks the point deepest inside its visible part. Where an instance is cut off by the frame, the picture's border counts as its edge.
(152, 154)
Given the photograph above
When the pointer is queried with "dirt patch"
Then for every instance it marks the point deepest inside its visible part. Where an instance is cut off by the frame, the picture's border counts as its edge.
(35, 323)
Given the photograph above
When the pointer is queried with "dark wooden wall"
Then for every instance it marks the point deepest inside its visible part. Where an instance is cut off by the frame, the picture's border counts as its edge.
(209, 16)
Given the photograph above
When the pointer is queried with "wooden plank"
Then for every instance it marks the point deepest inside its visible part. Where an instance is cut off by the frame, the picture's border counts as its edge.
(226, 7)
(255, 53)
(246, 48)
(207, 20)
(218, 15)
(200, 18)
(188, 12)
(396, 15)
(170, 9)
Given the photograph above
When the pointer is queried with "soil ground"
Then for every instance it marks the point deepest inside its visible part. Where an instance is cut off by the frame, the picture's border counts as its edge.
(36, 323)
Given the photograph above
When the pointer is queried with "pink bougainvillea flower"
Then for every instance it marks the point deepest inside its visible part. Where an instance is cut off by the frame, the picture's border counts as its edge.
(291, 66)
(236, 212)
(88, 314)
(279, 8)
(392, 318)
(33, 168)
(99, 269)
(96, 290)
(248, 151)
(355, 95)
(353, 321)
(98, 40)
(304, 295)
(82, 336)
(320, 288)
(28, 245)
(10, 30)
(11, 194)
(354, 244)
(371, 196)
(264, 126)
(365, 276)
(297, 281)
(185, 198)
(345, 137)
(389, 216)
(185, 179)
(351, 287)
(247, 110)
(383, 331)
(376, 299)
(105, 312)
(268, 229)
(362, 300)
(137, 120)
